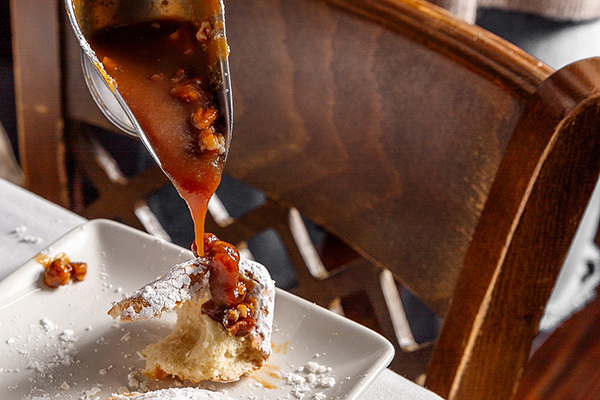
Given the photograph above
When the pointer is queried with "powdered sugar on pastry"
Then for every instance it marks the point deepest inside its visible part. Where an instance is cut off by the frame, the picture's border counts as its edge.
(173, 394)
(183, 282)
(264, 295)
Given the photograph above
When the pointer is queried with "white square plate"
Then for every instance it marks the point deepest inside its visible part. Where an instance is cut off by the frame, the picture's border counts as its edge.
(59, 343)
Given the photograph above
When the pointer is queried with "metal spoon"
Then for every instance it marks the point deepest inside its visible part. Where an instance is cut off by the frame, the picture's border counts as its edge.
(88, 16)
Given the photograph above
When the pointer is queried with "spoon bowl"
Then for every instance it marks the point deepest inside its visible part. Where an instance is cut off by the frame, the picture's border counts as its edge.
(89, 16)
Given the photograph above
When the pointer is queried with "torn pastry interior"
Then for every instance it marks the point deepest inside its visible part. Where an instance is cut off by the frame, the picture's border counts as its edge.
(224, 311)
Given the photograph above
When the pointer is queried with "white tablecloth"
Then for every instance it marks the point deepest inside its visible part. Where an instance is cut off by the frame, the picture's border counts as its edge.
(29, 224)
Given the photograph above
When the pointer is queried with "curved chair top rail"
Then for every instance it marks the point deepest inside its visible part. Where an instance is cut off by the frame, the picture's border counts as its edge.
(475, 47)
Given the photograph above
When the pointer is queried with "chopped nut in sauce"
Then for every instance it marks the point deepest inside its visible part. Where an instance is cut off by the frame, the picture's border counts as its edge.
(228, 305)
(59, 270)
(204, 32)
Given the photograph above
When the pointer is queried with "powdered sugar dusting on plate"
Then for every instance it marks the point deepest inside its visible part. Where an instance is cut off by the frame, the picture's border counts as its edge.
(43, 350)
(310, 380)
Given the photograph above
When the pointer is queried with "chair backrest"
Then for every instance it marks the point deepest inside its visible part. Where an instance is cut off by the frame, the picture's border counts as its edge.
(376, 131)
(384, 123)
(431, 147)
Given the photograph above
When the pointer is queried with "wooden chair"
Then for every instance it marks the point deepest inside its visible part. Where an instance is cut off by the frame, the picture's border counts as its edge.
(434, 150)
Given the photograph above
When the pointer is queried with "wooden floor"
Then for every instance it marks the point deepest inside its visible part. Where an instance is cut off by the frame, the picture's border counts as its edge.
(567, 365)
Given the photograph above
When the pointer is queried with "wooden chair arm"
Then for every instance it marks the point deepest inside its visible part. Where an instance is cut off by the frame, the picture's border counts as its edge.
(511, 266)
